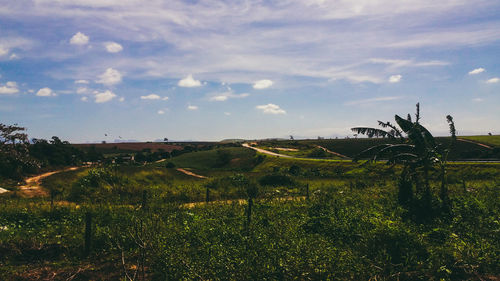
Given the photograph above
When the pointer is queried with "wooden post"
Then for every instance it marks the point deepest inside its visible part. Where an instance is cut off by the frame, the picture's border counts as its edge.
(88, 232)
(144, 199)
(249, 212)
(52, 200)
(307, 191)
(207, 196)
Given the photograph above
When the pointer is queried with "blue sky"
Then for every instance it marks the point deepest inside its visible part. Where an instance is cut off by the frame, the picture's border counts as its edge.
(209, 70)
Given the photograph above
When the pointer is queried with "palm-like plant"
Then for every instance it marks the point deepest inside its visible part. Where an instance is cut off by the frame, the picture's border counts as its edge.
(416, 150)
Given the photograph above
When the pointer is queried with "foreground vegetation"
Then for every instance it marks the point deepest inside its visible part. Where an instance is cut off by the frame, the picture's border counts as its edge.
(241, 215)
(350, 227)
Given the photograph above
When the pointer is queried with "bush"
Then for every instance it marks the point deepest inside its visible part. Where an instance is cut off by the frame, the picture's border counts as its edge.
(276, 180)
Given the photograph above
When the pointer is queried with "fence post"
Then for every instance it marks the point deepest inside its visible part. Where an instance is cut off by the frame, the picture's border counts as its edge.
(249, 212)
(144, 199)
(88, 232)
(307, 191)
(207, 196)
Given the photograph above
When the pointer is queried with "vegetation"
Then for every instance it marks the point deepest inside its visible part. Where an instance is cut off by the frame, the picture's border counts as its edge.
(493, 140)
(418, 152)
(257, 217)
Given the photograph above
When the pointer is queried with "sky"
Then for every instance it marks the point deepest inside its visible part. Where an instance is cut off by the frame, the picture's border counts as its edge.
(94, 70)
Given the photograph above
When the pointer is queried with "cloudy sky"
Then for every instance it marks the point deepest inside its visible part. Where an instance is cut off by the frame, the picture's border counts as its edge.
(209, 70)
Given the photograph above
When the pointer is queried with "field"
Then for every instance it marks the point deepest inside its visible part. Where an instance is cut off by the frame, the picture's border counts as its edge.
(489, 140)
(138, 146)
(310, 219)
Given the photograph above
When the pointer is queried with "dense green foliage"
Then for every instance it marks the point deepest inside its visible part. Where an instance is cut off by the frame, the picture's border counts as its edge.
(253, 217)
(343, 232)
(15, 160)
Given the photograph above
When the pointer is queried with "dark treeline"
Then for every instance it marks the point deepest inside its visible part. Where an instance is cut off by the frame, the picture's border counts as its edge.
(19, 156)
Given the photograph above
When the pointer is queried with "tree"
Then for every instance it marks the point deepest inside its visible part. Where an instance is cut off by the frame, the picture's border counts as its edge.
(15, 160)
(417, 151)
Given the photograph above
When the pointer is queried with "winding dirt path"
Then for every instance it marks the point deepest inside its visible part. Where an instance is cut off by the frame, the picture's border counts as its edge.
(475, 142)
(268, 152)
(332, 152)
(32, 188)
(189, 173)
(291, 157)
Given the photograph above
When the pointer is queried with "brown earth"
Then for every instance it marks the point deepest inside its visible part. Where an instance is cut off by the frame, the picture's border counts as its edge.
(32, 188)
(189, 173)
(131, 146)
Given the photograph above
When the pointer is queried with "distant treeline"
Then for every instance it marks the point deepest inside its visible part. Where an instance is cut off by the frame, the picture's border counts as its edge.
(19, 156)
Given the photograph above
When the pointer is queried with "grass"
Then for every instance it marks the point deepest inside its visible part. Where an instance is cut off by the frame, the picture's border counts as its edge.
(489, 140)
(351, 228)
(238, 159)
(342, 232)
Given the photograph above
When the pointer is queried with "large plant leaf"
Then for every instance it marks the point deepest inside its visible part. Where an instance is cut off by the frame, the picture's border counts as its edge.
(396, 132)
(370, 152)
(371, 132)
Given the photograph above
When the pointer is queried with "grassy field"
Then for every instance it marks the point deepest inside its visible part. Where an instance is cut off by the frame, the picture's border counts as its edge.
(489, 140)
(233, 158)
(309, 220)
(351, 147)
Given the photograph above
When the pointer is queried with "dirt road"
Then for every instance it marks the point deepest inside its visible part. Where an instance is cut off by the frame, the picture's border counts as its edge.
(475, 142)
(332, 152)
(189, 173)
(32, 187)
(268, 152)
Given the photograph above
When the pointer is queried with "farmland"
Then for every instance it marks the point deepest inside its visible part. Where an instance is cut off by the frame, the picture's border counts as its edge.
(318, 219)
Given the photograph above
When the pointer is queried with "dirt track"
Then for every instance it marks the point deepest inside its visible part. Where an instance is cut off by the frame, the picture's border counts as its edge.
(189, 173)
(475, 142)
(32, 187)
(331, 152)
(268, 152)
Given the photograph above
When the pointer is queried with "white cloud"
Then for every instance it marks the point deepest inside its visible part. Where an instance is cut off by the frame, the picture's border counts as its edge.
(9, 88)
(270, 109)
(372, 100)
(81, 81)
(493, 80)
(189, 82)
(45, 92)
(121, 99)
(476, 71)
(106, 96)
(395, 78)
(84, 99)
(262, 84)
(477, 100)
(81, 90)
(228, 95)
(227, 113)
(219, 98)
(397, 63)
(151, 97)
(13, 56)
(3, 51)
(161, 112)
(113, 47)
(110, 77)
(192, 107)
(79, 39)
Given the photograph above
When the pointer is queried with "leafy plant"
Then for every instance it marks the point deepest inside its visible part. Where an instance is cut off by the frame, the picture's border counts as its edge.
(417, 151)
